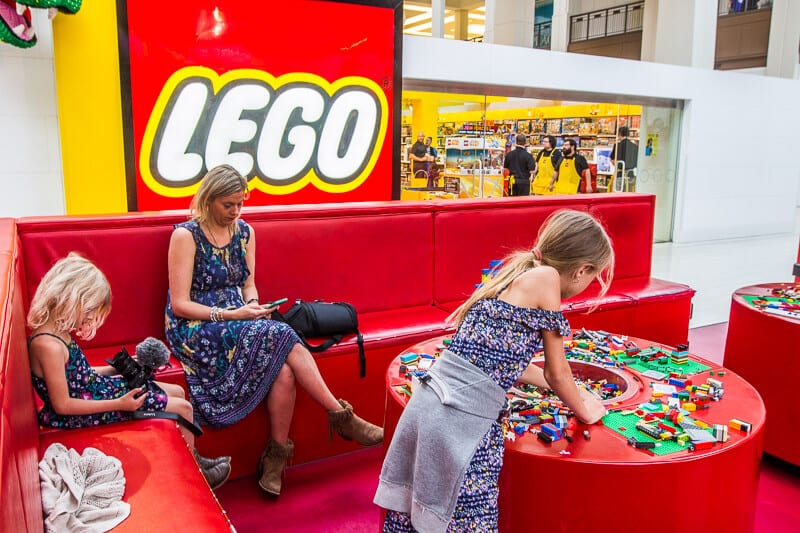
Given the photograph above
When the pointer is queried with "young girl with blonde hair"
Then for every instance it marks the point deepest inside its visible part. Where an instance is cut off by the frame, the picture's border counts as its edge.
(74, 296)
(442, 467)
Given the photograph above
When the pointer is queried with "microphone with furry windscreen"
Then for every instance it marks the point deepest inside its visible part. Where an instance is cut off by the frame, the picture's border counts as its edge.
(151, 354)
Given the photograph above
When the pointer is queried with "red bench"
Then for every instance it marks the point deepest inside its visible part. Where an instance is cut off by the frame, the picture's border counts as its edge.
(404, 265)
(161, 474)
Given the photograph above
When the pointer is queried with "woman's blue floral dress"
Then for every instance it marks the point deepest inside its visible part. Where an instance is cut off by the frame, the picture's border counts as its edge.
(86, 384)
(500, 339)
(229, 365)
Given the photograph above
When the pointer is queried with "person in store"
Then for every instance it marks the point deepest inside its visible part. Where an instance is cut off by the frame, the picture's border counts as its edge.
(419, 150)
(628, 151)
(233, 354)
(442, 467)
(431, 151)
(435, 169)
(520, 167)
(421, 160)
(547, 161)
(571, 169)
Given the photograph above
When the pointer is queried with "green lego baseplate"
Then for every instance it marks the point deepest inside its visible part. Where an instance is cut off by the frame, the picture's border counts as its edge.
(615, 420)
(687, 369)
(770, 299)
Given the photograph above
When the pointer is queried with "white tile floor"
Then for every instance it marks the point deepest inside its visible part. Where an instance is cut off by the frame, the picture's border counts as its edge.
(716, 269)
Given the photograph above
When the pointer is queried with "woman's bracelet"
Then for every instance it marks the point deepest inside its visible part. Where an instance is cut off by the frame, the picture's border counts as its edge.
(251, 300)
(216, 314)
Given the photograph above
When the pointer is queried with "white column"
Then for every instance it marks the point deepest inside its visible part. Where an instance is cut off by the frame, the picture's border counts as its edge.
(680, 32)
(437, 18)
(559, 34)
(509, 22)
(784, 38)
(649, 27)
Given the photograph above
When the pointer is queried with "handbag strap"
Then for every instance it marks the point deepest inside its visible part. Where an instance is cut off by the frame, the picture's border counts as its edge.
(322, 346)
(362, 356)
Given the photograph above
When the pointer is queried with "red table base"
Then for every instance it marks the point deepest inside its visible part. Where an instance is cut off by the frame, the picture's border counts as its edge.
(605, 484)
(763, 349)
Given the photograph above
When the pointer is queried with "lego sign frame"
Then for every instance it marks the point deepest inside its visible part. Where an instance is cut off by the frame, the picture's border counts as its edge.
(308, 121)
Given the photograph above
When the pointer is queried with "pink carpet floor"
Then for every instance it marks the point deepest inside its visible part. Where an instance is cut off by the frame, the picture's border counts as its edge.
(335, 495)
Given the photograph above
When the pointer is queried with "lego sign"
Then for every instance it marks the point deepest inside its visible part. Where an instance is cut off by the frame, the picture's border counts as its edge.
(305, 120)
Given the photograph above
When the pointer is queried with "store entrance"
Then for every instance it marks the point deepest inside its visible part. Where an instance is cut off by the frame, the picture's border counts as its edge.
(455, 145)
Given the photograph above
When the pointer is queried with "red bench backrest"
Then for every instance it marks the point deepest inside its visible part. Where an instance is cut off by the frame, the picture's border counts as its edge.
(21, 509)
(469, 234)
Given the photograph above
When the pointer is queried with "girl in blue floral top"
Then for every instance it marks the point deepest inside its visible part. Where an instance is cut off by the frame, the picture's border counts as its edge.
(233, 354)
(499, 328)
(74, 296)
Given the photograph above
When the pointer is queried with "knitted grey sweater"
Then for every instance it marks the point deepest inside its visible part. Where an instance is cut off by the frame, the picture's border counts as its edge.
(438, 433)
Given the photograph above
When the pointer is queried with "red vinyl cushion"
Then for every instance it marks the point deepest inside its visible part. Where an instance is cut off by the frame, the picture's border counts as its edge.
(629, 223)
(163, 484)
(467, 239)
(375, 262)
(299, 255)
(470, 234)
(133, 258)
(19, 479)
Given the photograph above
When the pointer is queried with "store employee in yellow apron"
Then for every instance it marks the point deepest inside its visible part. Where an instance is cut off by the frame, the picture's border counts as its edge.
(546, 164)
(572, 169)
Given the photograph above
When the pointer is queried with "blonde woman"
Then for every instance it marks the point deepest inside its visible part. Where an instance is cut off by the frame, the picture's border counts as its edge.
(443, 465)
(233, 355)
(74, 296)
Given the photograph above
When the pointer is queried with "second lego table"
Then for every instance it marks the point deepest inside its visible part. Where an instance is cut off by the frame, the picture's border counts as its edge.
(763, 348)
(577, 486)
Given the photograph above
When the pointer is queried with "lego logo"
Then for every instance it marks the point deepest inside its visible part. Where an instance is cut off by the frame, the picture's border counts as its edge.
(281, 133)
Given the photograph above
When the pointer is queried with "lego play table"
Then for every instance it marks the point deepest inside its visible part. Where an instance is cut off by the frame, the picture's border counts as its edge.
(763, 348)
(603, 482)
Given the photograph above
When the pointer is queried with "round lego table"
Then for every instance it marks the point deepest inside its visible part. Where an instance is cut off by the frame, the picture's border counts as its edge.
(763, 348)
(604, 482)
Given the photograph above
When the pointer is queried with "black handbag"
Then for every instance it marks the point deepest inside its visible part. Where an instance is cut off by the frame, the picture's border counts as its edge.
(323, 319)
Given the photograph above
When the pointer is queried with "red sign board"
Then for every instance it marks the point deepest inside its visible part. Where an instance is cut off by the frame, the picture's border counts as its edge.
(300, 96)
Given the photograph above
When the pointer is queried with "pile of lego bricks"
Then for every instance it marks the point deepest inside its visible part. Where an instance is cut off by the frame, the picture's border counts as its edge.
(416, 365)
(655, 362)
(663, 425)
(783, 302)
(540, 411)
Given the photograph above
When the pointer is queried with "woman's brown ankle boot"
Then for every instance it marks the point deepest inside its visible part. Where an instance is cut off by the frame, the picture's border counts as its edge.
(352, 427)
(271, 465)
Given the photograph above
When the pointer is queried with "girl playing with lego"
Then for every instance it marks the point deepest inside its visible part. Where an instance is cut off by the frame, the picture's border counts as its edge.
(442, 468)
(74, 296)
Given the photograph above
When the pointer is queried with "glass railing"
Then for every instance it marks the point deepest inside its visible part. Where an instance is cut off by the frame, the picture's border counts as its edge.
(541, 35)
(733, 7)
(606, 22)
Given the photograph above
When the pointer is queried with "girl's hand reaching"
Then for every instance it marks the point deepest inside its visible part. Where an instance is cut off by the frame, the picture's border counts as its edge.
(129, 403)
(593, 409)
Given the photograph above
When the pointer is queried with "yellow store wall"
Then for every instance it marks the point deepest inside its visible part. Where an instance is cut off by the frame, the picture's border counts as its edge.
(89, 109)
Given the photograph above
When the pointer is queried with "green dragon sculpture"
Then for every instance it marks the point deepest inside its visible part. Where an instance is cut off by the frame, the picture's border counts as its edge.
(15, 18)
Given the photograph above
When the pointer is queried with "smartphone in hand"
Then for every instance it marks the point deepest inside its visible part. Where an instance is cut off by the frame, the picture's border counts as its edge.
(275, 303)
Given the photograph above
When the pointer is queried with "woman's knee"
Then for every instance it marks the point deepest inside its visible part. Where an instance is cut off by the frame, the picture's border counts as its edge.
(172, 390)
(181, 407)
(285, 377)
